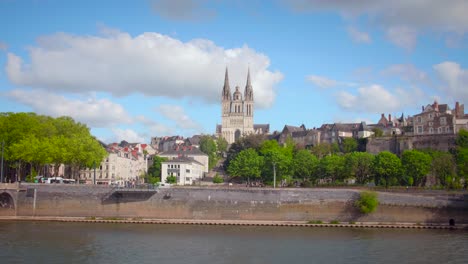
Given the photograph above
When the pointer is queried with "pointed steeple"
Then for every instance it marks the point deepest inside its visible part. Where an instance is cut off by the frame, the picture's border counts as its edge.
(248, 92)
(226, 89)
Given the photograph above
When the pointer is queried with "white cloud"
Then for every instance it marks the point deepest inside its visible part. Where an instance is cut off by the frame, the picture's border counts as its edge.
(322, 82)
(178, 115)
(395, 16)
(403, 37)
(128, 135)
(359, 36)
(152, 64)
(3, 46)
(154, 128)
(454, 80)
(407, 72)
(372, 98)
(93, 112)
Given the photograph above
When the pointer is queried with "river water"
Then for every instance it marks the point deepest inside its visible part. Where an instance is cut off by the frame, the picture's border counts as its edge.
(55, 242)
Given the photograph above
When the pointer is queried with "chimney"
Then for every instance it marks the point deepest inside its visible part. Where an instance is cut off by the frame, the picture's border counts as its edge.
(457, 109)
(423, 108)
(436, 106)
(389, 118)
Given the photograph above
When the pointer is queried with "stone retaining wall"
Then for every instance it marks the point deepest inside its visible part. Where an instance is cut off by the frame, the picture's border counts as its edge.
(237, 204)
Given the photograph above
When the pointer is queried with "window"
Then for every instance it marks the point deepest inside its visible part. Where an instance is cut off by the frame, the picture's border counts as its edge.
(187, 171)
(187, 178)
(431, 130)
(440, 130)
(443, 120)
(447, 129)
(431, 123)
(419, 119)
(430, 116)
(420, 129)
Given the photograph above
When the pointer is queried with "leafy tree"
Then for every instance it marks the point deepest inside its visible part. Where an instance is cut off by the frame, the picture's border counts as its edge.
(377, 132)
(276, 157)
(349, 145)
(250, 141)
(416, 165)
(221, 145)
(332, 167)
(246, 164)
(444, 168)
(461, 154)
(359, 165)
(367, 202)
(387, 168)
(154, 171)
(208, 146)
(171, 179)
(305, 165)
(323, 149)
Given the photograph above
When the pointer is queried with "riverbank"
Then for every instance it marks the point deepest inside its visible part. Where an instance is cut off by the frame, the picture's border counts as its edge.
(333, 224)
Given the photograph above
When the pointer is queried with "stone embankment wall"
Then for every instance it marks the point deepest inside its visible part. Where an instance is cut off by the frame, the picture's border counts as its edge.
(238, 204)
(398, 144)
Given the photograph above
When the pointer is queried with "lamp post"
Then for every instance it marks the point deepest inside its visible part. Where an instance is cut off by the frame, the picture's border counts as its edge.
(94, 177)
(274, 174)
(1, 177)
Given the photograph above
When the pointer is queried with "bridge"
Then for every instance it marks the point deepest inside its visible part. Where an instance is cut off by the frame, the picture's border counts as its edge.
(9, 196)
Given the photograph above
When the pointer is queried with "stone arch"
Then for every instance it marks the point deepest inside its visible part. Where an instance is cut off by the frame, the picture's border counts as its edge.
(7, 203)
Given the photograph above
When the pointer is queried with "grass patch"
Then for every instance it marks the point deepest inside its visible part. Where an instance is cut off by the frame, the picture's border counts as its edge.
(335, 222)
(316, 222)
(112, 218)
(352, 222)
(90, 218)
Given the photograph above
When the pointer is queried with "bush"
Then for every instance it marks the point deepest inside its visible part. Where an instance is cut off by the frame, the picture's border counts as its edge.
(171, 179)
(218, 179)
(367, 202)
(315, 222)
(335, 222)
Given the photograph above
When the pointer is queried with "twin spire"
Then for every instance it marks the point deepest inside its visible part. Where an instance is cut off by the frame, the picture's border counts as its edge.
(248, 92)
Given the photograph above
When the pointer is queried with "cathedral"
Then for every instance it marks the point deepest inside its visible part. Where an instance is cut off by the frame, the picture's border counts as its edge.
(237, 112)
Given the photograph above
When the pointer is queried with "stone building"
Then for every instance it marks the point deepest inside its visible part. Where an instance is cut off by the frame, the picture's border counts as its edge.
(237, 112)
(434, 119)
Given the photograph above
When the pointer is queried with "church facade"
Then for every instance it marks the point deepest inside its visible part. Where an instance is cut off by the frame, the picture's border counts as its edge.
(237, 112)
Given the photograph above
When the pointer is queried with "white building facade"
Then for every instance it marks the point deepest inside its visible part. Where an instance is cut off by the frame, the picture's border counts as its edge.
(186, 170)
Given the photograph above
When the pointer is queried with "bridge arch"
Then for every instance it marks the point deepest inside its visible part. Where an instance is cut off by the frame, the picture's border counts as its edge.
(7, 203)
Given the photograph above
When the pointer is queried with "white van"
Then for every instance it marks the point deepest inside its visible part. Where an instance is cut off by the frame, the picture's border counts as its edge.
(54, 180)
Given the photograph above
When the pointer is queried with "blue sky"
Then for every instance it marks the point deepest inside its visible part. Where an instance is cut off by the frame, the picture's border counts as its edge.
(131, 70)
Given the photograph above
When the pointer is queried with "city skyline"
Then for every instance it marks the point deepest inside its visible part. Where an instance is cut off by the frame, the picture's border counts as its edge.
(131, 71)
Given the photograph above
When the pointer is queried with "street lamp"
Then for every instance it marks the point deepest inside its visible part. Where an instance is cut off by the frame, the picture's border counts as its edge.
(274, 174)
(94, 177)
(1, 177)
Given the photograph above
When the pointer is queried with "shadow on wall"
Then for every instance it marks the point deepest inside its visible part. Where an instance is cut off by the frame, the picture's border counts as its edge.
(127, 197)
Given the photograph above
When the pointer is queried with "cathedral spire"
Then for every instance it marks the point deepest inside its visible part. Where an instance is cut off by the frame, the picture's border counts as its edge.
(226, 89)
(248, 92)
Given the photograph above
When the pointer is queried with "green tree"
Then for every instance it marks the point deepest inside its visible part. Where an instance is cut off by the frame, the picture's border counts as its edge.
(246, 164)
(349, 145)
(444, 168)
(218, 179)
(461, 154)
(359, 165)
(208, 146)
(221, 145)
(171, 179)
(377, 132)
(416, 165)
(305, 165)
(277, 158)
(333, 168)
(154, 171)
(387, 169)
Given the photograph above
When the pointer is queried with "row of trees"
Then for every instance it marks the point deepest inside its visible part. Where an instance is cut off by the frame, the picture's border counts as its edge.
(255, 158)
(33, 142)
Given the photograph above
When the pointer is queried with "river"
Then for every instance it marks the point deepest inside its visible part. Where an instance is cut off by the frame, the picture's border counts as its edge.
(55, 242)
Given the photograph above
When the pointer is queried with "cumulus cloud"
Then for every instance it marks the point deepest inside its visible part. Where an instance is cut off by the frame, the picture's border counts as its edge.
(322, 82)
(128, 135)
(178, 115)
(154, 128)
(407, 72)
(454, 80)
(93, 112)
(358, 36)
(400, 19)
(188, 10)
(372, 98)
(151, 64)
